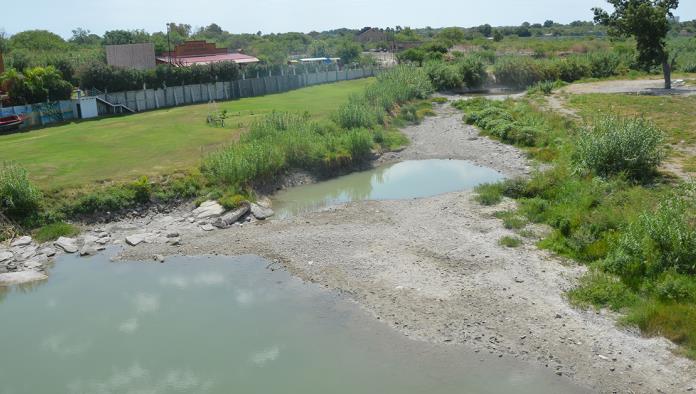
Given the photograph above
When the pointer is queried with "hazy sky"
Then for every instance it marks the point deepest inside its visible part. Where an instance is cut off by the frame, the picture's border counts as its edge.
(273, 16)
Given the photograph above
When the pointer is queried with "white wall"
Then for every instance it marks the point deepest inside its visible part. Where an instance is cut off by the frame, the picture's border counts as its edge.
(88, 106)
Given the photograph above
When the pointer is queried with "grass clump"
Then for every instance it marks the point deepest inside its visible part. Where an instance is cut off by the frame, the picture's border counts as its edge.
(598, 289)
(489, 193)
(614, 145)
(511, 220)
(54, 231)
(510, 242)
(19, 198)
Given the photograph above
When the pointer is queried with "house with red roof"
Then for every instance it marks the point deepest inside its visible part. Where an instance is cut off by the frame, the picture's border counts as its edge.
(202, 52)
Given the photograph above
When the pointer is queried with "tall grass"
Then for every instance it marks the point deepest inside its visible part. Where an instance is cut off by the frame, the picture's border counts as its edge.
(19, 198)
(396, 86)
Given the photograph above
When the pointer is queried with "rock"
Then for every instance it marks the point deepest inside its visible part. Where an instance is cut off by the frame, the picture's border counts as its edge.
(158, 258)
(34, 265)
(174, 241)
(207, 227)
(49, 252)
(69, 245)
(264, 202)
(5, 256)
(261, 212)
(26, 253)
(15, 278)
(103, 241)
(208, 209)
(173, 234)
(11, 266)
(135, 239)
(3, 269)
(89, 239)
(230, 218)
(21, 241)
(88, 250)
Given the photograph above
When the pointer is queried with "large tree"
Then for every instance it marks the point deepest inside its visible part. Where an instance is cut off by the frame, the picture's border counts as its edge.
(647, 21)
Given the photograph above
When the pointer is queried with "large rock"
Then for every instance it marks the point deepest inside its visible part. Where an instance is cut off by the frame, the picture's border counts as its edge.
(21, 241)
(228, 219)
(15, 278)
(34, 265)
(208, 209)
(136, 239)
(88, 250)
(260, 212)
(5, 255)
(69, 245)
(49, 252)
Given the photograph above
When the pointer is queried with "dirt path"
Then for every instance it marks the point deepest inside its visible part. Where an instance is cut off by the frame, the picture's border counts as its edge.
(432, 268)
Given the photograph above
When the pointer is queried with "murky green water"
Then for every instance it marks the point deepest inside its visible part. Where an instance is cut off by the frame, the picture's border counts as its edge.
(404, 180)
(222, 325)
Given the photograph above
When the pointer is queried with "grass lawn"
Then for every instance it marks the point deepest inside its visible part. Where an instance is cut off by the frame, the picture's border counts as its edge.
(673, 114)
(153, 143)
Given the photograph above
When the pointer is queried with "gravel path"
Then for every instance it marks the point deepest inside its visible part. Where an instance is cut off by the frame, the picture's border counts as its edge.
(432, 269)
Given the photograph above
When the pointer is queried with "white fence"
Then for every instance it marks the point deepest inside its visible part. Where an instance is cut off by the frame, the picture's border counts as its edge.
(149, 99)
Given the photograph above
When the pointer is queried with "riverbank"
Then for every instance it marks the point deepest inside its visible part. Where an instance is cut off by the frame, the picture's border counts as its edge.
(432, 269)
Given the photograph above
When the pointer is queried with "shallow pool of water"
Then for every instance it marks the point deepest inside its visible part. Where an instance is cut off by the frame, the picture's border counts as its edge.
(403, 180)
(222, 325)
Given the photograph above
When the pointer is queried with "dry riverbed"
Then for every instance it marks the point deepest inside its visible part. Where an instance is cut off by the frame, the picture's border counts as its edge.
(432, 269)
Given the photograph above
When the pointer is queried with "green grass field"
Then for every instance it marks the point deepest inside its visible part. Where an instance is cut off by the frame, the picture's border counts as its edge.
(153, 143)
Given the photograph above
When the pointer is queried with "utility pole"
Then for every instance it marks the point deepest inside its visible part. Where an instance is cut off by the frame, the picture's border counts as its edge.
(169, 47)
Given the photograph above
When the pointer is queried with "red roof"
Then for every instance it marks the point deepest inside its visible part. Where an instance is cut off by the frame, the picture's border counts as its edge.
(207, 59)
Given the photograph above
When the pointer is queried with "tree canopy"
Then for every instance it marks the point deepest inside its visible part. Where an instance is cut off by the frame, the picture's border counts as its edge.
(648, 21)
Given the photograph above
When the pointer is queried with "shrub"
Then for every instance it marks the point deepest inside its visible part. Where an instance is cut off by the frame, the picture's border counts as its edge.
(472, 70)
(676, 287)
(443, 76)
(19, 198)
(141, 190)
(658, 241)
(613, 145)
(521, 72)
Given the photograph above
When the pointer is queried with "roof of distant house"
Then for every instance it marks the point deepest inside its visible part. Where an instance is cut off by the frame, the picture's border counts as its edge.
(202, 52)
(238, 58)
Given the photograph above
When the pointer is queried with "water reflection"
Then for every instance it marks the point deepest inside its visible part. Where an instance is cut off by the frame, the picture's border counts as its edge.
(221, 325)
(409, 179)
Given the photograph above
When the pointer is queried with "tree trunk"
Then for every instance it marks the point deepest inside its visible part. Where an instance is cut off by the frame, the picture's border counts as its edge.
(667, 70)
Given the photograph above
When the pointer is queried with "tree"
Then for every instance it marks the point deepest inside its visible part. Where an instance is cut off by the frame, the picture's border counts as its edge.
(34, 40)
(348, 51)
(548, 23)
(497, 36)
(486, 30)
(648, 21)
(84, 37)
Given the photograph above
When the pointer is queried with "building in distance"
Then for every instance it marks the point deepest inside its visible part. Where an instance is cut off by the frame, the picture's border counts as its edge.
(201, 52)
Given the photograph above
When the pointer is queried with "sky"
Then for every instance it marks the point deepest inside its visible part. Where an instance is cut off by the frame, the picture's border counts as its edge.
(275, 16)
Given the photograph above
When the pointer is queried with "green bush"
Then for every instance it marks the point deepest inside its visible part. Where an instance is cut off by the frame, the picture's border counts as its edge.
(19, 198)
(142, 190)
(443, 76)
(675, 287)
(613, 145)
(658, 241)
(472, 71)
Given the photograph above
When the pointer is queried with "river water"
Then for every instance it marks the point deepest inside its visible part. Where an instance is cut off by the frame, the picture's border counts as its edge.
(222, 325)
(403, 180)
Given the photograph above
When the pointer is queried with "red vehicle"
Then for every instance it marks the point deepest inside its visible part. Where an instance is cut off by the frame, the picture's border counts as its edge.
(12, 122)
